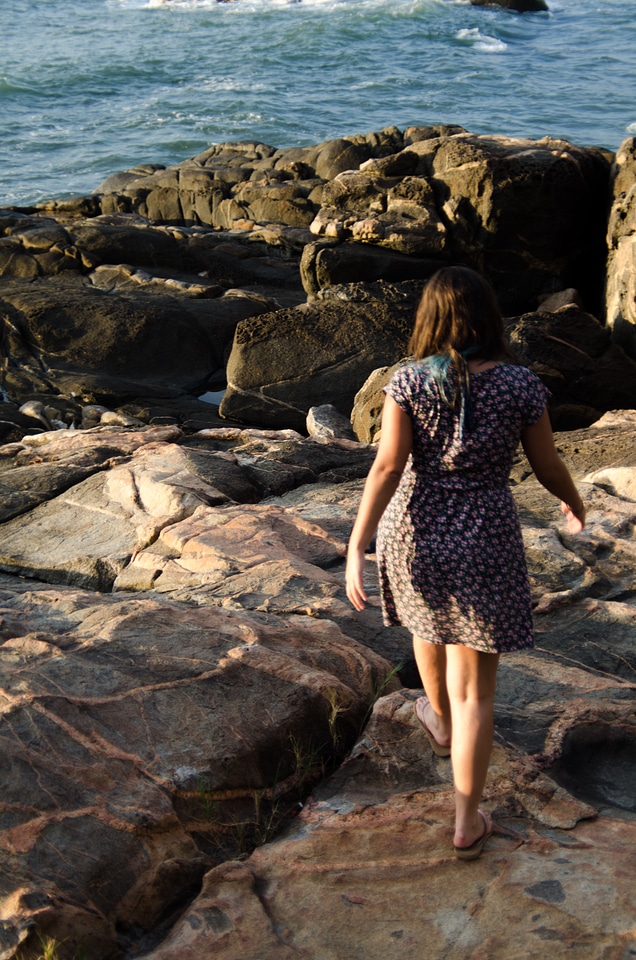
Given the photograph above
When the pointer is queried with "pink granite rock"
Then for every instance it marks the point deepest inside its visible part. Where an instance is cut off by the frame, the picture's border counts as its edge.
(140, 738)
(367, 869)
(148, 737)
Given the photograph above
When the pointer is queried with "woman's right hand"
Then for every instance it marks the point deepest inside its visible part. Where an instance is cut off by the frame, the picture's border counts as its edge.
(355, 578)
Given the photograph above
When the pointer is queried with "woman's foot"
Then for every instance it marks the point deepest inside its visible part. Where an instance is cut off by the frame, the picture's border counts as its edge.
(429, 724)
(473, 850)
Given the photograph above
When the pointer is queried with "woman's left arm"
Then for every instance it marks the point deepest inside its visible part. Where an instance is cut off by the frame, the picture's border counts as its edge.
(551, 472)
(396, 441)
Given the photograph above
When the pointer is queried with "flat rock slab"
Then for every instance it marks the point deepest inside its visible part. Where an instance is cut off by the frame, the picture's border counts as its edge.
(142, 728)
(367, 870)
(129, 724)
(47, 464)
(581, 675)
(87, 535)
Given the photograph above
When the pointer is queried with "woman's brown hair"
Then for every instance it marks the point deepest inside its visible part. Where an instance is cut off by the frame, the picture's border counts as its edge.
(458, 317)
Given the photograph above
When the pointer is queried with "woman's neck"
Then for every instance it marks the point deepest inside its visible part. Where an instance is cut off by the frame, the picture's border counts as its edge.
(476, 365)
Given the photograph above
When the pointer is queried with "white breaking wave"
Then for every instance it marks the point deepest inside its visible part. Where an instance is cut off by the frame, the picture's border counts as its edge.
(251, 5)
(481, 41)
(159, 88)
(199, 4)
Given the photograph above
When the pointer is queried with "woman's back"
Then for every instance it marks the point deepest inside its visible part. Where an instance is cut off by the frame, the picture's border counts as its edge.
(503, 398)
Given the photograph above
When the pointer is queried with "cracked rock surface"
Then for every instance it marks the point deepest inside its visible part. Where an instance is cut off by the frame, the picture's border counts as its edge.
(180, 671)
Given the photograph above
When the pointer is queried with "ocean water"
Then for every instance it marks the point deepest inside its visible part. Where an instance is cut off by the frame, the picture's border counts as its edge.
(90, 87)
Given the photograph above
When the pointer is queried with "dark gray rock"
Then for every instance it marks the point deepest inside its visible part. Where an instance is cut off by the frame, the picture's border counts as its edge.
(284, 363)
(519, 6)
(573, 354)
(328, 263)
(76, 339)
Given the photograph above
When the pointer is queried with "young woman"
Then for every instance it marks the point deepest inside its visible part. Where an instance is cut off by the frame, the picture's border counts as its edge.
(449, 547)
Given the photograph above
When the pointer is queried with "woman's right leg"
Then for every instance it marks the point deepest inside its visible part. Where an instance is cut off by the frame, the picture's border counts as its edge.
(471, 679)
(431, 663)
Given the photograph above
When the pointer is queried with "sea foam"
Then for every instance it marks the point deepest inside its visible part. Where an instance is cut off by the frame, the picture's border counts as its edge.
(481, 41)
(158, 81)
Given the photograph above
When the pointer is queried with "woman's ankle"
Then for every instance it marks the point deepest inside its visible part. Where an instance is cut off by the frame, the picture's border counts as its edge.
(439, 724)
(470, 828)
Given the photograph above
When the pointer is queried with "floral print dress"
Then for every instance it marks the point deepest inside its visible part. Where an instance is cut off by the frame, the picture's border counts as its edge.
(449, 548)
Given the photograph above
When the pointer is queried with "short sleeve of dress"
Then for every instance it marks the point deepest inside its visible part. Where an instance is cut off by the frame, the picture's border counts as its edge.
(534, 397)
(400, 388)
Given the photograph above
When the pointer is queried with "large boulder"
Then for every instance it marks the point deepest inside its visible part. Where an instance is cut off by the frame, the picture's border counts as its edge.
(325, 264)
(573, 354)
(519, 6)
(286, 362)
(78, 338)
(528, 214)
(621, 239)
(145, 740)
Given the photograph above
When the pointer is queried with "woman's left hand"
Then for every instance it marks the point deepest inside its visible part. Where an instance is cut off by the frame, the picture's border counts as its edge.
(575, 518)
(355, 578)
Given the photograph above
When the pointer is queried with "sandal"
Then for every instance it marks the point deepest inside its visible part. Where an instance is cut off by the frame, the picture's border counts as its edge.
(474, 850)
(438, 748)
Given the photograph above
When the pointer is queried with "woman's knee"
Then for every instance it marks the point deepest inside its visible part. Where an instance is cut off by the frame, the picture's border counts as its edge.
(471, 674)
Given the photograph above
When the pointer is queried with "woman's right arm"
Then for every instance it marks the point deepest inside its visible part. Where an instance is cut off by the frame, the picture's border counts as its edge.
(551, 472)
(396, 441)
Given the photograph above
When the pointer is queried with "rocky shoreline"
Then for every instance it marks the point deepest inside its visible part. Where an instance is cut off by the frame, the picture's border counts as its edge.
(182, 676)
(291, 275)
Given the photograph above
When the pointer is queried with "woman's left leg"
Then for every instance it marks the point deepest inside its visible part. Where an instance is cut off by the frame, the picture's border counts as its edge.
(471, 678)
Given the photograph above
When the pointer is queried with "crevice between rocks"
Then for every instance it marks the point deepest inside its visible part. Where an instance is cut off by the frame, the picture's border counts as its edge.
(598, 765)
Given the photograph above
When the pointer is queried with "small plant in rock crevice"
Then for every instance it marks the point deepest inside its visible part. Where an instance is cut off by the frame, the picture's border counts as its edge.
(240, 825)
(378, 690)
(236, 827)
(51, 949)
(336, 709)
(309, 764)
